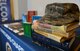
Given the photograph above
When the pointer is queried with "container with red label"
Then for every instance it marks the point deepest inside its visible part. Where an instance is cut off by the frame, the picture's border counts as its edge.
(30, 14)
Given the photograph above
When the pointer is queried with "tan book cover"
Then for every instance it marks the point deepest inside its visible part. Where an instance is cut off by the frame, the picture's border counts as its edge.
(57, 38)
(67, 35)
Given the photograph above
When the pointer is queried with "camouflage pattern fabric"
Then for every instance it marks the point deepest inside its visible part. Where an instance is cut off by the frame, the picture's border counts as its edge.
(60, 13)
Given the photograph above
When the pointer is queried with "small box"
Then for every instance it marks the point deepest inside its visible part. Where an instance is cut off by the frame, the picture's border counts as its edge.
(36, 18)
(27, 29)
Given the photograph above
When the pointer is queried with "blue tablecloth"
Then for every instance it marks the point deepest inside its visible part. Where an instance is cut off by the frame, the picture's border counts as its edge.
(15, 41)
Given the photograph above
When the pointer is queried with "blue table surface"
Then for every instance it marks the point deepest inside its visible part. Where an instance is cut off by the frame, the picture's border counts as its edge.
(28, 42)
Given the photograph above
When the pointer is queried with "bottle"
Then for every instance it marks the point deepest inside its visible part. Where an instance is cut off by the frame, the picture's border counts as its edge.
(24, 18)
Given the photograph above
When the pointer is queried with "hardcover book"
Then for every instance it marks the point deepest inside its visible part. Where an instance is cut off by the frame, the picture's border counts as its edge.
(49, 43)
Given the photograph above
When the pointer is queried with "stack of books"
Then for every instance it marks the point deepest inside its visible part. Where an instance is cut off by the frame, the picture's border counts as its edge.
(57, 33)
(60, 37)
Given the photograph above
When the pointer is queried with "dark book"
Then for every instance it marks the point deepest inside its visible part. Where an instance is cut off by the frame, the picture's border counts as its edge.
(76, 45)
(44, 41)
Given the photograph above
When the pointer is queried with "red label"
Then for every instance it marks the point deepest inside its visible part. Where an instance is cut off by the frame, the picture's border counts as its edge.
(30, 14)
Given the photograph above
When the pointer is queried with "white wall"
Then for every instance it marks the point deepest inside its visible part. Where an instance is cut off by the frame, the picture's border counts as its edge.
(39, 5)
(20, 6)
(15, 2)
